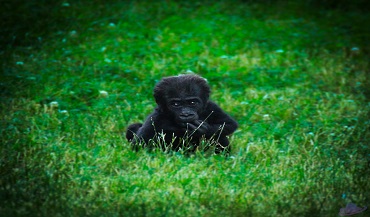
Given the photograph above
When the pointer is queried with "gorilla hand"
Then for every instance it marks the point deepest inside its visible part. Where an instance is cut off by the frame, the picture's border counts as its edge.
(198, 127)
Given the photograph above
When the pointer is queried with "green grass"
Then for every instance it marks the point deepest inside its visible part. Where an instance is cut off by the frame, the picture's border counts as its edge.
(294, 75)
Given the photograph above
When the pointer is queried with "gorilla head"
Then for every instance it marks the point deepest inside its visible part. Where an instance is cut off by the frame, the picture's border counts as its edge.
(183, 97)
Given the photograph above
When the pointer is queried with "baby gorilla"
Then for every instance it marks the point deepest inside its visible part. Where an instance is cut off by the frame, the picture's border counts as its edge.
(184, 117)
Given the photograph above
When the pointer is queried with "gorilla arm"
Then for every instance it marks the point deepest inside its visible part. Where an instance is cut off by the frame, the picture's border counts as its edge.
(214, 122)
(156, 123)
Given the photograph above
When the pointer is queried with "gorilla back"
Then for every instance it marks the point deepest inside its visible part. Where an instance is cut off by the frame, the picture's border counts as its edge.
(184, 116)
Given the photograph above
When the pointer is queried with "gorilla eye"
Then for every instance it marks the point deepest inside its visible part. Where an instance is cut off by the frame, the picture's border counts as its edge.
(193, 102)
(175, 104)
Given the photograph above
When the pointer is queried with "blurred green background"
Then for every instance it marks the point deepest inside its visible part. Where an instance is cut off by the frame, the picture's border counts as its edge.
(74, 74)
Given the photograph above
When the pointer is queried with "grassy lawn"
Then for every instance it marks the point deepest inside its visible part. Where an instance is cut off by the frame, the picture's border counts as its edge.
(294, 74)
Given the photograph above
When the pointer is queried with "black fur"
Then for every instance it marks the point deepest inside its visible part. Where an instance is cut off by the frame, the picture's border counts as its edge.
(184, 113)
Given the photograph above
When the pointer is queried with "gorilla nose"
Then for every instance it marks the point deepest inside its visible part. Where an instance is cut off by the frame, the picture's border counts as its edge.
(187, 117)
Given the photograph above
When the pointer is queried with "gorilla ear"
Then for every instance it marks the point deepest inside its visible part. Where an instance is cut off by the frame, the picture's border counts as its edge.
(203, 84)
(159, 94)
